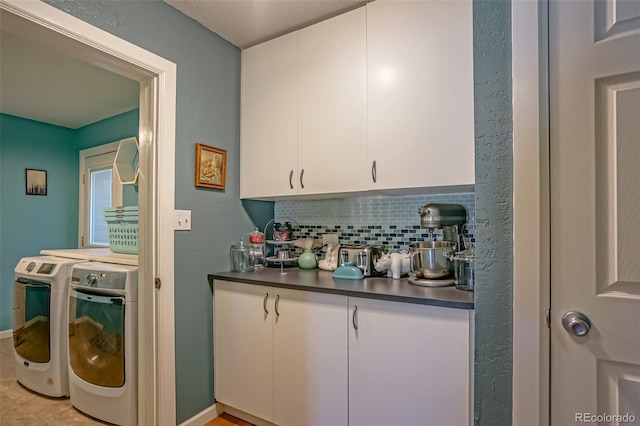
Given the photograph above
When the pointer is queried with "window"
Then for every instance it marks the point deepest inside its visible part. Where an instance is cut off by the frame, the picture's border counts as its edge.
(99, 188)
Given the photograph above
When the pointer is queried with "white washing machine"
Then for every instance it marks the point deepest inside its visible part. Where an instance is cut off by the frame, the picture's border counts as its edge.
(40, 297)
(103, 352)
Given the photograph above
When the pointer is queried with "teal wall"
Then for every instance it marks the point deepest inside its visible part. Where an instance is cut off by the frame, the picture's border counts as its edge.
(494, 212)
(208, 111)
(29, 223)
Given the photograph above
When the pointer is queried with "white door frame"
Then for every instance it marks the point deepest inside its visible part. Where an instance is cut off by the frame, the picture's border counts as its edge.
(531, 275)
(157, 77)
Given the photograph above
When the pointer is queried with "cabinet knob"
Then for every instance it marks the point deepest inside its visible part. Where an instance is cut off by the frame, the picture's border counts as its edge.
(291, 179)
(264, 304)
(301, 177)
(276, 305)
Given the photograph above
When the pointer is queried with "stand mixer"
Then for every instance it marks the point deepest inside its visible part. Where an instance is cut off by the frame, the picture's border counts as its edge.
(448, 217)
(431, 260)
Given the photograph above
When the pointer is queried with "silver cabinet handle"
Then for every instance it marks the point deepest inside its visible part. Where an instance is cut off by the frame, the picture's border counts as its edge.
(576, 323)
(291, 179)
(276, 305)
(301, 176)
(264, 303)
(374, 172)
(354, 318)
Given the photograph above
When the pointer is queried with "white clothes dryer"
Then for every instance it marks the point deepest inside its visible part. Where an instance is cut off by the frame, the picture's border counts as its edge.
(40, 297)
(103, 352)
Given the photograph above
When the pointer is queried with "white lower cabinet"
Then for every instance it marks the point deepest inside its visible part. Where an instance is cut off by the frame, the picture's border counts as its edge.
(409, 364)
(305, 358)
(280, 354)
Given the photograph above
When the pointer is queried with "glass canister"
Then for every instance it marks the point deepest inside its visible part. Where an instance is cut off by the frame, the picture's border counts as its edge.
(464, 267)
(241, 257)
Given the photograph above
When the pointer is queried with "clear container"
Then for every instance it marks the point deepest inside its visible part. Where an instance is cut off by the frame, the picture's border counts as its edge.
(242, 257)
(464, 268)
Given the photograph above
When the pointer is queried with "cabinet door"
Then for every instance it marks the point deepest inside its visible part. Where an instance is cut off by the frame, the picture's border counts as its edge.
(332, 102)
(243, 347)
(420, 93)
(269, 126)
(310, 361)
(408, 364)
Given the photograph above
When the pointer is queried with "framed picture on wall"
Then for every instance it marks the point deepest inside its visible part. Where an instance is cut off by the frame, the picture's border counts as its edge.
(211, 166)
(36, 182)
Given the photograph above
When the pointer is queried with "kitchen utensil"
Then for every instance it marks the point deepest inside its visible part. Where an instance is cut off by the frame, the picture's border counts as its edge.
(464, 264)
(431, 259)
(241, 257)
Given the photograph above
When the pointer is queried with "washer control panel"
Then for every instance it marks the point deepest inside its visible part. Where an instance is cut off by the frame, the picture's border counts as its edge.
(36, 267)
(113, 280)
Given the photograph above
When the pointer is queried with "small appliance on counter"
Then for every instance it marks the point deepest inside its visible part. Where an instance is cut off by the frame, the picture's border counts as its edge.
(448, 217)
(364, 257)
(431, 261)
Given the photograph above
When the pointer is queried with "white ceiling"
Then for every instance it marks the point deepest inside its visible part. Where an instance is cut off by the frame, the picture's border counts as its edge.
(248, 22)
(45, 85)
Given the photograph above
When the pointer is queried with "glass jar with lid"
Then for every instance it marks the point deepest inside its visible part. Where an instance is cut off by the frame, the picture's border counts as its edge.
(241, 256)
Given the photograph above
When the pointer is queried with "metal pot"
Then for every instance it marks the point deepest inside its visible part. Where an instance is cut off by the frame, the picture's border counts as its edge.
(431, 259)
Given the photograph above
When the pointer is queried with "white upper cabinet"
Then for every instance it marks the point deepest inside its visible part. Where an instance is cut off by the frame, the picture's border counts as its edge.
(378, 98)
(420, 93)
(332, 102)
(269, 119)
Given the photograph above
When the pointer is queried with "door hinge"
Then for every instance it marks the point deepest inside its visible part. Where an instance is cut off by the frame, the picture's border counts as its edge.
(548, 317)
(82, 241)
(83, 176)
(158, 283)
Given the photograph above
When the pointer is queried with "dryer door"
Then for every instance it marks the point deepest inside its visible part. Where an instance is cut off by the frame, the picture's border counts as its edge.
(31, 320)
(96, 338)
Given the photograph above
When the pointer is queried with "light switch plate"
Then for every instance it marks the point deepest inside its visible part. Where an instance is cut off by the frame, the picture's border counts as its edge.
(182, 220)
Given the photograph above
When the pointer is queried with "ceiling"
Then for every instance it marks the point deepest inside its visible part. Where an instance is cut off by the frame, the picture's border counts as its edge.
(246, 23)
(42, 84)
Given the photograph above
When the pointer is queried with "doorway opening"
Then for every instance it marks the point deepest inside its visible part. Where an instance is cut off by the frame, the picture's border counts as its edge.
(156, 76)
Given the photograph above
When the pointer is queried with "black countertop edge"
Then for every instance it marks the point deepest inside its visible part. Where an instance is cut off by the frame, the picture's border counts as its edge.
(380, 288)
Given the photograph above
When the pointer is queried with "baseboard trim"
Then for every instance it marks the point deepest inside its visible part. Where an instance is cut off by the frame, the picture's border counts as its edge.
(205, 416)
(246, 416)
(5, 334)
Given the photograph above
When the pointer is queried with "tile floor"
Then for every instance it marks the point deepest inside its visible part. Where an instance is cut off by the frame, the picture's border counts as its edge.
(20, 406)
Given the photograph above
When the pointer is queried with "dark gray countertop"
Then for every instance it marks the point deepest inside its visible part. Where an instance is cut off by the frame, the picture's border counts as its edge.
(374, 288)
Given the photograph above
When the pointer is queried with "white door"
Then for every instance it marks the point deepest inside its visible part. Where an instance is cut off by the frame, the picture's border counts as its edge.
(595, 209)
(310, 359)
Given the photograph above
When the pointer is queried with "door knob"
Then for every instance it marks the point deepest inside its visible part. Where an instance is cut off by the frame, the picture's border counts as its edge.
(576, 323)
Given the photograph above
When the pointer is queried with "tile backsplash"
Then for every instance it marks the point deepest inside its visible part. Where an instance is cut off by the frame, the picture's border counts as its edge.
(390, 221)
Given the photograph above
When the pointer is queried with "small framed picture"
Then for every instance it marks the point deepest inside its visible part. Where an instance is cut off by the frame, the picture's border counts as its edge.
(211, 166)
(36, 182)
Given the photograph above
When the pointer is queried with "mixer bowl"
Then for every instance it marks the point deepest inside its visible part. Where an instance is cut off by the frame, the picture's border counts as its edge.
(431, 259)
